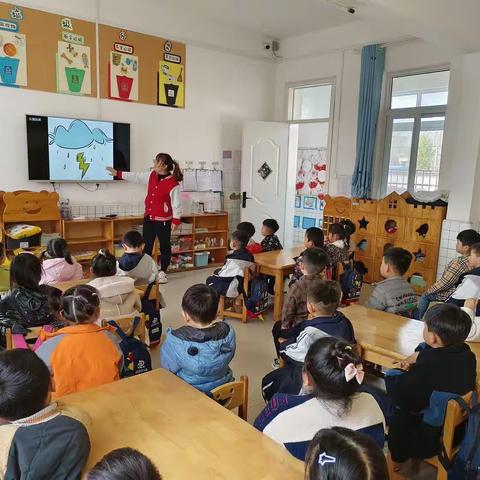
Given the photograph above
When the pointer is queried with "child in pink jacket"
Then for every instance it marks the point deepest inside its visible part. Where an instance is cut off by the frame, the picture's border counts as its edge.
(58, 265)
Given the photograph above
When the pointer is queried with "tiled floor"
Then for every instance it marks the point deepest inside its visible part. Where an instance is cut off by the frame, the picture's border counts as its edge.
(255, 350)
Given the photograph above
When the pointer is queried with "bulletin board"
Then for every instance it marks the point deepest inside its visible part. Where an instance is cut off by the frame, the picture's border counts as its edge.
(45, 51)
(142, 68)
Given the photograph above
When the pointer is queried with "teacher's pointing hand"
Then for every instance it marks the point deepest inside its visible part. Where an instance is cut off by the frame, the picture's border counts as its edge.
(112, 171)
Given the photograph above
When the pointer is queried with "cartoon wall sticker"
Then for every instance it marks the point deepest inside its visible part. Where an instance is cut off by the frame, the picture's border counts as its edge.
(171, 76)
(123, 76)
(74, 75)
(13, 59)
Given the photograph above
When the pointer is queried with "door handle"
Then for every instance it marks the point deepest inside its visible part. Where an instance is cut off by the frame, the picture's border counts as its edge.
(244, 199)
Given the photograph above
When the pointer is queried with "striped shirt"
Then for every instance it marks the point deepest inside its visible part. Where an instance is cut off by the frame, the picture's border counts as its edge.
(445, 285)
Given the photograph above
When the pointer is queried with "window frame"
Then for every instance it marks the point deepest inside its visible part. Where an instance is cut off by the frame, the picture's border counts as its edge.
(417, 113)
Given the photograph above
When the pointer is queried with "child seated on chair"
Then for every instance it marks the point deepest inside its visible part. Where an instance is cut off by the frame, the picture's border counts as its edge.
(338, 245)
(474, 269)
(228, 280)
(313, 238)
(332, 375)
(124, 463)
(117, 293)
(394, 294)
(38, 439)
(443, 288)
(444, 363)
(200, 352)
(270, 241)
(323, 298)
(81, 355)
(252, 246)
(134, 263)
(27, 303)
(295, 310)
(57, 263)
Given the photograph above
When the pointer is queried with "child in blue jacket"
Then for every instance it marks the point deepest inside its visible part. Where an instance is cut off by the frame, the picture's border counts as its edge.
(200, 351)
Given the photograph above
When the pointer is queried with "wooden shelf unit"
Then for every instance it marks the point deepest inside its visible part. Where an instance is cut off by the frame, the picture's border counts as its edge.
(96, 233)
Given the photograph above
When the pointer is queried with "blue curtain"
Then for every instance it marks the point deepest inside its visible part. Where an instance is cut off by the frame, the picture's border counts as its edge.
(371, 76)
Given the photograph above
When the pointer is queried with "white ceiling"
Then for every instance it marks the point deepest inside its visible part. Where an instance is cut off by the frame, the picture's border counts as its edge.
(272, 18)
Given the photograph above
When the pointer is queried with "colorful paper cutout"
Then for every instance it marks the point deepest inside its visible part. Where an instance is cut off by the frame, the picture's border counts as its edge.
(13, 59)
(123, 76)
(74, 72)
(171, 87)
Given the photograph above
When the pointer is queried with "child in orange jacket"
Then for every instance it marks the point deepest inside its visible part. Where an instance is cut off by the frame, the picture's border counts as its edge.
(82, 355)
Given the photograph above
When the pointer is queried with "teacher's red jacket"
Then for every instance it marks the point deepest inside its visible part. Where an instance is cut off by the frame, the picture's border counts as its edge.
(162, 202)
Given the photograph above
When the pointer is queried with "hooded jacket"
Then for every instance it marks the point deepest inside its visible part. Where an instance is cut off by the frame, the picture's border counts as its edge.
(117, 296)
(80, 357)
(59, 270)
(139, 266)
(200, 357)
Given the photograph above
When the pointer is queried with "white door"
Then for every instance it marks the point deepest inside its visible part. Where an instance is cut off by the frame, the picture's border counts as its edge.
(268, 177)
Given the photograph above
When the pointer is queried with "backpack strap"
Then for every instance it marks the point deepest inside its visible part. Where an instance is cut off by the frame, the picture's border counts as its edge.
(148, 290)
(136, 321)
(117, 328)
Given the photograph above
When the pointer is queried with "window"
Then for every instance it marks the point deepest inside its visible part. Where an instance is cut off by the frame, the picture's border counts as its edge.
(311, 107)
(414, 134)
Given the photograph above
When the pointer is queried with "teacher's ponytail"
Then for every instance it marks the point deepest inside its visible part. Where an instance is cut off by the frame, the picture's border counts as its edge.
(172, 166)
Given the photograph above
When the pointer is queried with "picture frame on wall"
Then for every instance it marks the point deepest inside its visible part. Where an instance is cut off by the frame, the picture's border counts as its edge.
(296, 221)
(308, 222)
(298, 201)
(309, 203)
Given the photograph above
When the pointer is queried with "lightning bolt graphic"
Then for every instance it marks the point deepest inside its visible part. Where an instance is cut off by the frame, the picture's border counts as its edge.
(82, 164)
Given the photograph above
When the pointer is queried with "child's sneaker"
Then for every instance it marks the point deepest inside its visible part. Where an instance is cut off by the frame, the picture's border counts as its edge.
(162, 277)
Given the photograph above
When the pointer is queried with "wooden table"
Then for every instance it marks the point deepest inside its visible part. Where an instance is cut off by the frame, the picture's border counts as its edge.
(279, 264)
(186, 434)
(385, 337)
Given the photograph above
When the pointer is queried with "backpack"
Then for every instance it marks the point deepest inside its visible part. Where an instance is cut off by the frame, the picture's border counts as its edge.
(257, 301)
(152, 317)
(351, 281)
(136, 357)
(466, 464)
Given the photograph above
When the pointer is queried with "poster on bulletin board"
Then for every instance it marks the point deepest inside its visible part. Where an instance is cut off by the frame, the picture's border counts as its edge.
(45, 51)
(123, 70)
(171, 75)
(13, 57)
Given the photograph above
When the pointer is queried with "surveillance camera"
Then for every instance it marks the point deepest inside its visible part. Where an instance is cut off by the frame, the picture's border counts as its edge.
(351, 10)
(267, 46)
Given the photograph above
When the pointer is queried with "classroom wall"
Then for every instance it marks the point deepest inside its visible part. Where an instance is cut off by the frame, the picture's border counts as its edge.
(223, 89)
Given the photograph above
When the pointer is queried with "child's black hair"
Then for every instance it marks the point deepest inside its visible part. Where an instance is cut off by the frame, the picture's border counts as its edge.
(200, 303)
(80, 303)
(343, 230)
(468, 237)
(314, 260)
(122, 464)
(25, 271)
(475, 248)
(325, 295)
(398, 258)
(354, 454)
(315, 235)
(248, 228)
(272, 225)
(24, 384)
(325, 362)
(133, 239)
(449, 322)
(57, 248)
(241, 238)
(104, 264)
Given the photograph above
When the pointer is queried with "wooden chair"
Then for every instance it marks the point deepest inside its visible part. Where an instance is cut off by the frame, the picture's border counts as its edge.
(233, 395)
(231, 313)
(33, 334)
(126, 324)
(454, 417)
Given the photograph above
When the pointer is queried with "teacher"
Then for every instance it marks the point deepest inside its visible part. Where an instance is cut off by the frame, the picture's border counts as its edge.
(163, 207)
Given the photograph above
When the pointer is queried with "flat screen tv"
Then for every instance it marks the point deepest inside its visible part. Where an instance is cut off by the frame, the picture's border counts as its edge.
(75, 150)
